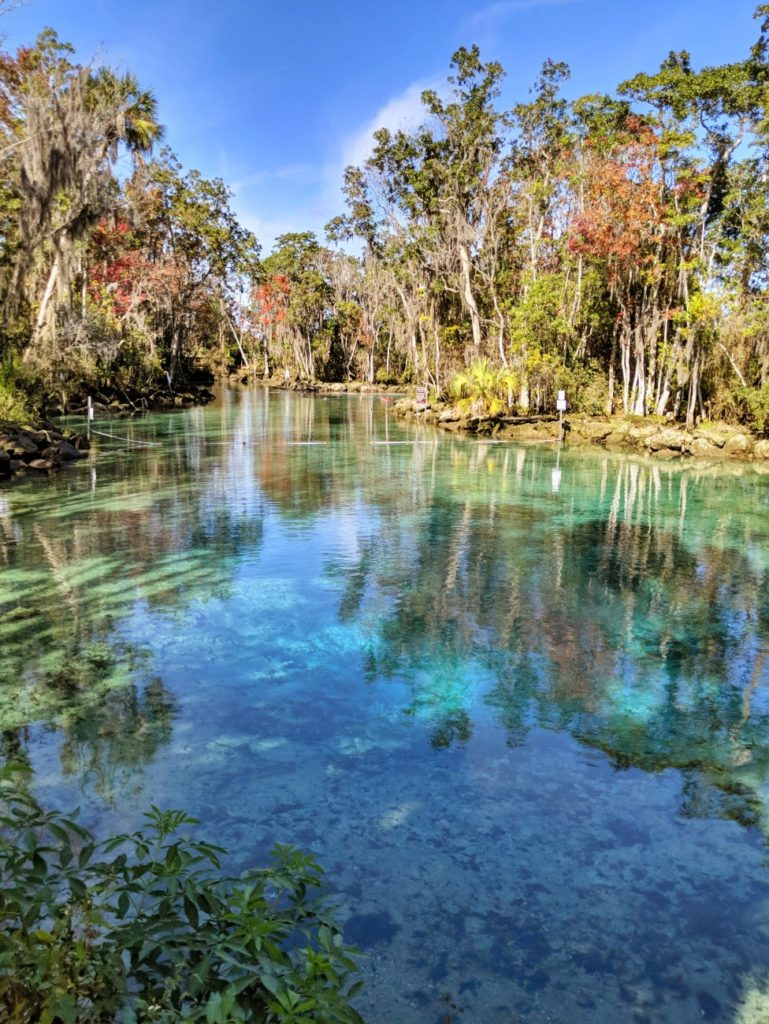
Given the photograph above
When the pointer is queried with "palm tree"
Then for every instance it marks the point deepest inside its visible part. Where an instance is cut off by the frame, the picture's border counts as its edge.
(128, 113)
(479, 388)
(75, 123)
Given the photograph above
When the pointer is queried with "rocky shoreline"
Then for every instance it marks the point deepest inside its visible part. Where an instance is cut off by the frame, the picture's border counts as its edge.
(660, 440)
(351, 387)
(129, 402)
(40, 450)
(28, 450)
(656, 438)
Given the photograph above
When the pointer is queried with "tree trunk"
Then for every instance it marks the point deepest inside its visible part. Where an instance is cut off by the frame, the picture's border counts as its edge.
(45, 302)
(469, 298)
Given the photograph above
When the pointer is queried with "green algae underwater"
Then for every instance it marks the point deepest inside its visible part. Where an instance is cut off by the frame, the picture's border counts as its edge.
(513, 700)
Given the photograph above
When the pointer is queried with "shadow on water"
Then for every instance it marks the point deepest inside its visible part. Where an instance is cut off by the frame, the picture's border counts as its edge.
(520, 715)
(78, 556)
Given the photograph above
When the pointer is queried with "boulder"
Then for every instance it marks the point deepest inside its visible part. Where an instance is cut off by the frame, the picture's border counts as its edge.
(761, 450)
(716, 436)
(670, 438)
(700, 446)
(641, 432)
(738, 444)
(591, 430)
(68, 451)
(22, 445)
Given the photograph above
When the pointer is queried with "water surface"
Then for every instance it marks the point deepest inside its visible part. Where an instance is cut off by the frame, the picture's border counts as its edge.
(514, 701)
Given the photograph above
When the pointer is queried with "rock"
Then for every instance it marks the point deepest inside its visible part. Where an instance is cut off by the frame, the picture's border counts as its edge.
(482, 424)
(22, 445)
(761, 450)
(590, 429)
(714, 435)
(738, 444)
(448, 416)
(674, 440)
(640, 433)
(700, 446)
(41, 465)
(618, 436)
(68, 451)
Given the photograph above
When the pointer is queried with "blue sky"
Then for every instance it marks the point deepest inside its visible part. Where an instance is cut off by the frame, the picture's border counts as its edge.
(277, 97)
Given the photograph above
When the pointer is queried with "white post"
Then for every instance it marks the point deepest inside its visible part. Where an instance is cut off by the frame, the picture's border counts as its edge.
(561, 407)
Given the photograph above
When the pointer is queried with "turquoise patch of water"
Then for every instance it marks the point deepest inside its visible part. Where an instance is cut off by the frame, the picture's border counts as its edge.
(525, 730)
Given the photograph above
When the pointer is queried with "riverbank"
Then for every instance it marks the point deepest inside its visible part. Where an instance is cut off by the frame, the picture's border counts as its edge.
(659, 439)
(299, 384)
(130, 402)
(44, 448)
(36, 450)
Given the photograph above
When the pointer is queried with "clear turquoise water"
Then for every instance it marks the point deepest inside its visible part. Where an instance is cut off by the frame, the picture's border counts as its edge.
(522, 721)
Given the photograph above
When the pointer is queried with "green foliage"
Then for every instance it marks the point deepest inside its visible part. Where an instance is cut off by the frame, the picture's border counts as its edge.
(15, 405)
(586, 388)
(482, 390)
(142, 928)
(383, 377)
(755, 406)
(539, 317)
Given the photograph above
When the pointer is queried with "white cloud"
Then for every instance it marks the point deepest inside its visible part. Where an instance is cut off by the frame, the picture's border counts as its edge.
(402, 111)
(267, 229)
(490, 16)
(296, 174)
(318, 196)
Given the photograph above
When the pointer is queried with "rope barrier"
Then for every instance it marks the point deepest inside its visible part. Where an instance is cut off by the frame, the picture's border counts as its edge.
(130, 440)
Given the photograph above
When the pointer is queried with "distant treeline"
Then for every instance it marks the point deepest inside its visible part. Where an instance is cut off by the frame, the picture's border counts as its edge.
(104, 279)
(615, 246)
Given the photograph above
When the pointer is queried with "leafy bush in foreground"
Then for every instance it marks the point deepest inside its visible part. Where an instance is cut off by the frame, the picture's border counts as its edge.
(142, 928)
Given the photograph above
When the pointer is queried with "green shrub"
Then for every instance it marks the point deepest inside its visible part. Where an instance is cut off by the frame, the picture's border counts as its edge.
(587, 388)
(482, 390)
(755, 408)
(383, 377)
(15, 406)
(143, 928)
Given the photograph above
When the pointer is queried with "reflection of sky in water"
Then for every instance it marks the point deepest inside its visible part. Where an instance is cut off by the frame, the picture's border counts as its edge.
(524, 731)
